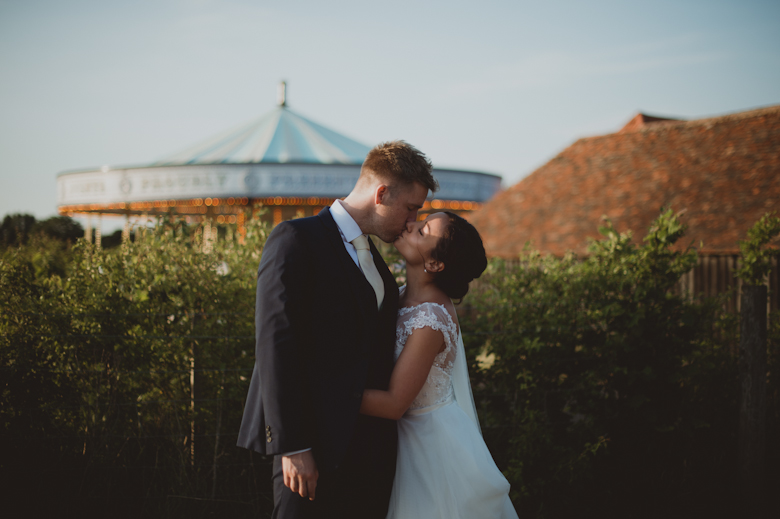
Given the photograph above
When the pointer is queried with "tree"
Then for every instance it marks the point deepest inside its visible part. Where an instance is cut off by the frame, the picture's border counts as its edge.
(15, 229)
(756, 265)
(62, 228)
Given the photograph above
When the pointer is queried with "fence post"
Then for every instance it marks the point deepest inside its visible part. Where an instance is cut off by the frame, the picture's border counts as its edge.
(192, 391)
(218, 430)
(752, 408)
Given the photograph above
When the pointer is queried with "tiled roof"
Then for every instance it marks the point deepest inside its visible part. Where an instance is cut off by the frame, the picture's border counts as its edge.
(643, 120)
(723, 173)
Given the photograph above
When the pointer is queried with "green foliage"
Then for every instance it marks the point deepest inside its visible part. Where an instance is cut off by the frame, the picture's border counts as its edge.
(607, 387)
(99, 354)
(756, 257)
(44, 256)
(61, 228)
(395, 262)
(601, 390)
(17, 229)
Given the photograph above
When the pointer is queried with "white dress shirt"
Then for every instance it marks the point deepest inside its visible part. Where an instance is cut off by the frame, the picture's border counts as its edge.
(348, 229)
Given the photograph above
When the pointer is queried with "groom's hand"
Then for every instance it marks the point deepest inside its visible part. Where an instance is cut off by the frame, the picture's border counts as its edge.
(300, 473)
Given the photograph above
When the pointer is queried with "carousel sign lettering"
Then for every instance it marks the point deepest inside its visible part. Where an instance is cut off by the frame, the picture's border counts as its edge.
(196, 181)
(246, 180)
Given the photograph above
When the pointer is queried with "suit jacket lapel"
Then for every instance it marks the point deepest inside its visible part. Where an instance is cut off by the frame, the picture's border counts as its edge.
(357, 281)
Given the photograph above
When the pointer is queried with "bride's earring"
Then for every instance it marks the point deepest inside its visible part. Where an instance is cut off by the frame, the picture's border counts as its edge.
(425, 270)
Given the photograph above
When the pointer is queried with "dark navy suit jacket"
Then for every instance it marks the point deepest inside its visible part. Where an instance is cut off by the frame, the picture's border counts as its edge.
(320, 341)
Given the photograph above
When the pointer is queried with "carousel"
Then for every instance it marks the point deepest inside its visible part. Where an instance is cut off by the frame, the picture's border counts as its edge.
(282, 161)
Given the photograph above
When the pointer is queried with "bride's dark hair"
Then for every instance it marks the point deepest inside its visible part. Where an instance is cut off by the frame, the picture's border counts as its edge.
(463, 255)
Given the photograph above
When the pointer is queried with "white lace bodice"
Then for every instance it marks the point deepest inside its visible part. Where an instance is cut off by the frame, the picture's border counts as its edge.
(438, 386)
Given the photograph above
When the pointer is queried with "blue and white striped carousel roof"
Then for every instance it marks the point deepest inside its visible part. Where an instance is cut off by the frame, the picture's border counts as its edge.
(279, 154)
(280, 136)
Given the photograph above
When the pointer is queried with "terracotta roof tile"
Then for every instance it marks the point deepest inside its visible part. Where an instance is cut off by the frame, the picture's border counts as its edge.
(723, 173)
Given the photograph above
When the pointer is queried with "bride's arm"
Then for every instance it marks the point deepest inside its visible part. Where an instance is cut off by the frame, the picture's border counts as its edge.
(409, 374)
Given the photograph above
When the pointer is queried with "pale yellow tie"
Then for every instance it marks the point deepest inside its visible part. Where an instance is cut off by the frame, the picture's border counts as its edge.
(369, 269)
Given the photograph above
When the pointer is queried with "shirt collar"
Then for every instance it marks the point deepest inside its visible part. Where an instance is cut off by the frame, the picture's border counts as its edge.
(348, 228)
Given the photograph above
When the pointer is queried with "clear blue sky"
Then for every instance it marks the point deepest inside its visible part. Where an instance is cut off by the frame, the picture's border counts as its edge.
(497, 86)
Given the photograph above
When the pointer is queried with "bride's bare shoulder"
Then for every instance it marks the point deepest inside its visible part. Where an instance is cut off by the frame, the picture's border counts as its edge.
(442, 300)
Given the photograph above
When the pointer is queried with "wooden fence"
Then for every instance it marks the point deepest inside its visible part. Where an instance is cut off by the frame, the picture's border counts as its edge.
(715, 275)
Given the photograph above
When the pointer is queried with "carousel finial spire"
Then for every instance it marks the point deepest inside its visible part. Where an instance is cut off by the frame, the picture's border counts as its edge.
(281, 94)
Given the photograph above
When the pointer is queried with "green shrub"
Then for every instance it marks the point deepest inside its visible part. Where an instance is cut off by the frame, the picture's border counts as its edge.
(96, 365)
(609, 393)
(756, 256)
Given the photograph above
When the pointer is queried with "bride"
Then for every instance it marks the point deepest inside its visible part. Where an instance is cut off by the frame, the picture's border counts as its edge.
(444, 469)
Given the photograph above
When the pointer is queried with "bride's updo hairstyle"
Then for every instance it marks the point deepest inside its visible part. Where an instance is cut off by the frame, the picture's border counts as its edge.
(463, 255)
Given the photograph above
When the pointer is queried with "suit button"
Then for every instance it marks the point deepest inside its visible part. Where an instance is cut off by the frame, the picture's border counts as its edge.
(358, 394)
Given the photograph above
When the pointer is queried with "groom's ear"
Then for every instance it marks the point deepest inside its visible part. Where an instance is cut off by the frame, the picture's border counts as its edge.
(381, 194)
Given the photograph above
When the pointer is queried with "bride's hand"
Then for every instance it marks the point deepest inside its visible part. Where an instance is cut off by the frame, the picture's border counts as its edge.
(300, 473)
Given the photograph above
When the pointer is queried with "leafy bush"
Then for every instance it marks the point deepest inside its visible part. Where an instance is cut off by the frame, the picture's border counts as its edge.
(96, 367)
(601, 390)
(16, 229)
(756, 256)
(609, 393)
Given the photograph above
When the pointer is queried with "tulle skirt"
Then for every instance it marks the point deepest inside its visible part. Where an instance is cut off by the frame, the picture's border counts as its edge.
(444, 469)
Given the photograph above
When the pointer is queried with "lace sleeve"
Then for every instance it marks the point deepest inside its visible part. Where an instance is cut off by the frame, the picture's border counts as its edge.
(426, 315)
(438, 385)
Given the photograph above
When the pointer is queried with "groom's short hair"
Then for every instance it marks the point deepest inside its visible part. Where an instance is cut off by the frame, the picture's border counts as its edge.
(399, 161)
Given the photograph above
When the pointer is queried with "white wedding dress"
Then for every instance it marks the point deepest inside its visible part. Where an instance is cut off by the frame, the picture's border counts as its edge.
(444, 469)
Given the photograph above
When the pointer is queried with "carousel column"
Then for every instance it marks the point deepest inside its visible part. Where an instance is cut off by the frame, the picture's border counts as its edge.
(142, 228)
(207, 243)
(98, 233)
(126, 230)
(88, 230)
(241, 219)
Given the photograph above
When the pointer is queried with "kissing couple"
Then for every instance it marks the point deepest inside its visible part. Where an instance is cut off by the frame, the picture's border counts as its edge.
(360, 389)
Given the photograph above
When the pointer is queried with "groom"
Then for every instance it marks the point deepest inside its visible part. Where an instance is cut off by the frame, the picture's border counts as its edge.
(325, 330)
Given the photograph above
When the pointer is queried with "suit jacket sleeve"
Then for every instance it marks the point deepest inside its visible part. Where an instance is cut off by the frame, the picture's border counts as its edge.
(283, 303)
